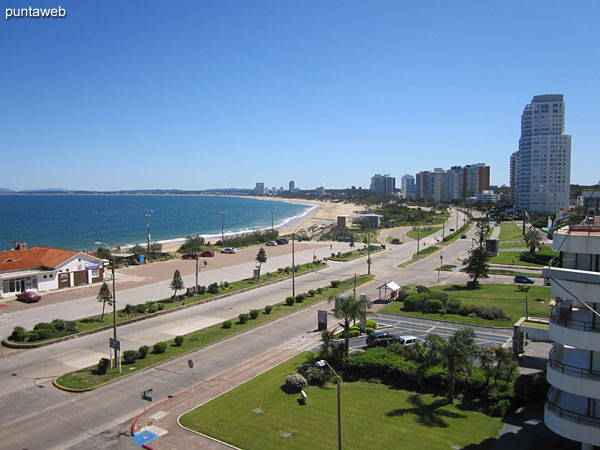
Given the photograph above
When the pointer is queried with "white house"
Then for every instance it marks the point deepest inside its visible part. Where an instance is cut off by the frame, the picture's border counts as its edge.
(45, 269)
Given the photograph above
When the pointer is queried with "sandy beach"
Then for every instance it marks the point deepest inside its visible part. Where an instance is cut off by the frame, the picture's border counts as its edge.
(325, 213)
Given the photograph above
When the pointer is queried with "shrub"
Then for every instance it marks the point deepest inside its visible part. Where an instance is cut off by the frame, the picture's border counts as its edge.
(354, 333)
(159, 347)
(32, 336)
(140, 309)
(226, 284)
(335, 283)
(410, 304)
(45, 333)
(151, 307)
(254, 313)
(129, 356)
(489, 313)
(312, 292)
(436, 306)
(290, 301)
(129, 309)
(439, 296)
(71, 326)
(160, 306)
(371, 324)
(201, 290)
(465, 310)
(43, 326)
(143, 351)
(300, 298)
(453, 306)
(103, 366)
(295, 383)
(422, 290)
(500, 408)
(320, 290)
(268, 309)
(58, 324)
(314, 376)
(227, 324)
(213, 288)
(243, 318)
(406, 290)
(178, 341)
(354, 327)
(369, 330)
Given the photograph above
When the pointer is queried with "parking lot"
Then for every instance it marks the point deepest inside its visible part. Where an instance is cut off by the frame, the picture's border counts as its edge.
(400, 325)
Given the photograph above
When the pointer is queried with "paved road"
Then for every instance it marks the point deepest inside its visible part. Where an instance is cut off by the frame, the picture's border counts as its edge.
(40, 416)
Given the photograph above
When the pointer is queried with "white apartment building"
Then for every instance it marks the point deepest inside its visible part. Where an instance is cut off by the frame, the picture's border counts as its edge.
(543, 162)
(573, 403)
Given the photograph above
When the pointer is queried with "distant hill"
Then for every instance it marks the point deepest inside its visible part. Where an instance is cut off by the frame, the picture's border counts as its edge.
(6, 190)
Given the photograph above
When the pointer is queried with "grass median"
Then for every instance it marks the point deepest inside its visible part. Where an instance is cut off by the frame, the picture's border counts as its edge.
(260, 415)
(508, 297)
(422, 232)
(348, 256)
(123, 315)
(88, 378)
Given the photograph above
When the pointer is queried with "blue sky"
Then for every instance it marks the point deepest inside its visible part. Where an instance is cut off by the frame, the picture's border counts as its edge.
(198, 94)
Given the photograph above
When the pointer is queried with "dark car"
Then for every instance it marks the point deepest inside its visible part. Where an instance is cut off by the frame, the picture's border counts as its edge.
(381, 339)
(282, 241)
(464, 236)
(28, 297)
(191, 256)
(207, 254)
(524, 279)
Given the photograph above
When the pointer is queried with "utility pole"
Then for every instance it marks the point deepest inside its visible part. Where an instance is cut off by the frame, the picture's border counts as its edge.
(369, 255)
(196, 258)
(293, 268)
(354, 286)
(418, 237)
(148, 232)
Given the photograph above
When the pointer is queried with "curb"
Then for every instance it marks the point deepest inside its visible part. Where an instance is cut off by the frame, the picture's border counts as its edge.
(7, 343)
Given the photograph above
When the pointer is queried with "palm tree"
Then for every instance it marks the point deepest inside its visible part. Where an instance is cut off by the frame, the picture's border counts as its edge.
(349, 309)
(533, 240)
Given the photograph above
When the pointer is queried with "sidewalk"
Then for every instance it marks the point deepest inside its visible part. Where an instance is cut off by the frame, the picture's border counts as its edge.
(162, 417)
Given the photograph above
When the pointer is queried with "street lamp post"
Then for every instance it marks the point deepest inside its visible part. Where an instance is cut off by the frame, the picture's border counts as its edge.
(114, 301)
(222, 227)
(293, 267)
(148, 232)
(322, 363)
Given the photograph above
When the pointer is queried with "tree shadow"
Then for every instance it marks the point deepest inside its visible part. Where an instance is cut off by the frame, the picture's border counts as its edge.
(427, 414)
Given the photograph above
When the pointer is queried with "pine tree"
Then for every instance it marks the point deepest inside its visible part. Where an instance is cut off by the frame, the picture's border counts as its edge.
(104, 296)
(176, 284)
(261, 258)
(477, 265)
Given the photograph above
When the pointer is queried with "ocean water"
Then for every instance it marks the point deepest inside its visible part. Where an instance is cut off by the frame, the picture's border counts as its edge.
(77, 221)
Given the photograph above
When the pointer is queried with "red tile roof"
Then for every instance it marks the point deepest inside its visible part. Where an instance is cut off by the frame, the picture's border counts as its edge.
(33, 258)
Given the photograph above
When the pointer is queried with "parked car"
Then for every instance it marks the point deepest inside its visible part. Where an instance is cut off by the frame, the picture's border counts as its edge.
(282, 241)
(29, 296)
(524, 279)
(191, 256)
(271, 244)
(464, 236)
(207, 254)
(408, 340)
(228, 250)
(381, 339)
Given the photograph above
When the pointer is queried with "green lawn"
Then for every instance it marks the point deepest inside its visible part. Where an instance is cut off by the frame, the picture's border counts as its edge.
(88, 379)
(373, 416)
(504, 296)
(348, 256)
(513, 257)
(423, 232)
(511, 236)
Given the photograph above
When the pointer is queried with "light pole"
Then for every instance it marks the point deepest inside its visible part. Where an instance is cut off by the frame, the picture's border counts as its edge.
(222, 227)
(293, 268)
(322, 363)
(441, 262)
(148, 232)
(114, 300)
(418, 236)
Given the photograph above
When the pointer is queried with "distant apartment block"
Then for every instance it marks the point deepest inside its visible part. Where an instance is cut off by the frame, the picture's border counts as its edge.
(292, 186)
(320, 191)
(542, 165)
(457, 183)
(259, 189)
(383, 184)
(407, 186)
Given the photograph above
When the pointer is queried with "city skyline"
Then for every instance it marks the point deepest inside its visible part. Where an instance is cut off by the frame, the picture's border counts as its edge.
(132, 96)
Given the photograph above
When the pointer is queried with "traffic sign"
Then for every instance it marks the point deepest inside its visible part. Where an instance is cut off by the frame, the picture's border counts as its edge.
(190, 364)
(146, 395)
(113, 343)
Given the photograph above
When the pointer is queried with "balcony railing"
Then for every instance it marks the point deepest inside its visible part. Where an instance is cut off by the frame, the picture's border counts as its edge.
(575, 416)
(565, 320)
(570, 369)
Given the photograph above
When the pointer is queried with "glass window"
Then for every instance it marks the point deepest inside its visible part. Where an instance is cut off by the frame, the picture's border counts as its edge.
(584, 261)
(568, 260)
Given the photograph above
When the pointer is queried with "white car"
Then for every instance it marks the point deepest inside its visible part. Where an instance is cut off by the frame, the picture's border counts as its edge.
(271, 244)
(228, 250)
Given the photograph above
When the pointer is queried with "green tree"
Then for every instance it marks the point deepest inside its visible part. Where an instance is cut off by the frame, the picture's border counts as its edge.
(482, 229)
(104, 296)
(477, 265)
(533, 240)
(349, 309)
(155, 247)
(458, 356)
(261, 258)
(176, 283)
(103, 253)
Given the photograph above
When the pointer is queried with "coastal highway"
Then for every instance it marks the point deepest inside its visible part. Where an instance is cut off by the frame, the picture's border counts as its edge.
(41, 416)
